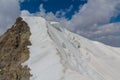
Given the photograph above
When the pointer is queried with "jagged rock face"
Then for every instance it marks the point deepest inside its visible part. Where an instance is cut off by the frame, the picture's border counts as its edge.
(14, 51)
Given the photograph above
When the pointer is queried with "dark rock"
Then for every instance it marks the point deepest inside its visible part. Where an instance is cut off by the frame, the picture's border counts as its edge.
(14, 51)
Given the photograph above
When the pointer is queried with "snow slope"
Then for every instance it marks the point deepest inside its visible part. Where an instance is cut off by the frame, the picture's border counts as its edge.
(57, 54)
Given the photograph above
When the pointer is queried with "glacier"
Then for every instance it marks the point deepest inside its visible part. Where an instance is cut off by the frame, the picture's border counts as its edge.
(58, 54)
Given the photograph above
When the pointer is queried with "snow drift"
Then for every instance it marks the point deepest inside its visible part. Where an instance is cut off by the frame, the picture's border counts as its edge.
(57, 54)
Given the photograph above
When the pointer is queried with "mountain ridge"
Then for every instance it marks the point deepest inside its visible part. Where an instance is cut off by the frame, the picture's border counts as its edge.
(58, 54)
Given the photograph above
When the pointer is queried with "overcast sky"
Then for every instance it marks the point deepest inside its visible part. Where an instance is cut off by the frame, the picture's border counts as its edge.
(94, 19)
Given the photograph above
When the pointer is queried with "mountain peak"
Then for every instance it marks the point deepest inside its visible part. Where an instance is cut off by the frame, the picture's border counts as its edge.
(58, 54)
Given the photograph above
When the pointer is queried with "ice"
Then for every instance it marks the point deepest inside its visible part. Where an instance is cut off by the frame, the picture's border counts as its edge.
(58, 54)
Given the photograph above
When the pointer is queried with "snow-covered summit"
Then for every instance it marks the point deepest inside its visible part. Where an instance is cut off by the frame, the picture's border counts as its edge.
(57, 54)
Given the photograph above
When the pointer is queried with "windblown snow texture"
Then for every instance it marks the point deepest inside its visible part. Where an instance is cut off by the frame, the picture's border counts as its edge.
(57, 54)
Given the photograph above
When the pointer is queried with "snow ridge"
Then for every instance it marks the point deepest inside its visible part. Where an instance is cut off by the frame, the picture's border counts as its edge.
(57, 54)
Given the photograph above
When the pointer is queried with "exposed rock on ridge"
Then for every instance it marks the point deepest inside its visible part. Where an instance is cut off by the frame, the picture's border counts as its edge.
(14, 51)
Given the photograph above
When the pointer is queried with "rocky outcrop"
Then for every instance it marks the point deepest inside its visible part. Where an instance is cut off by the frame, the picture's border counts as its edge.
(14, 51)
